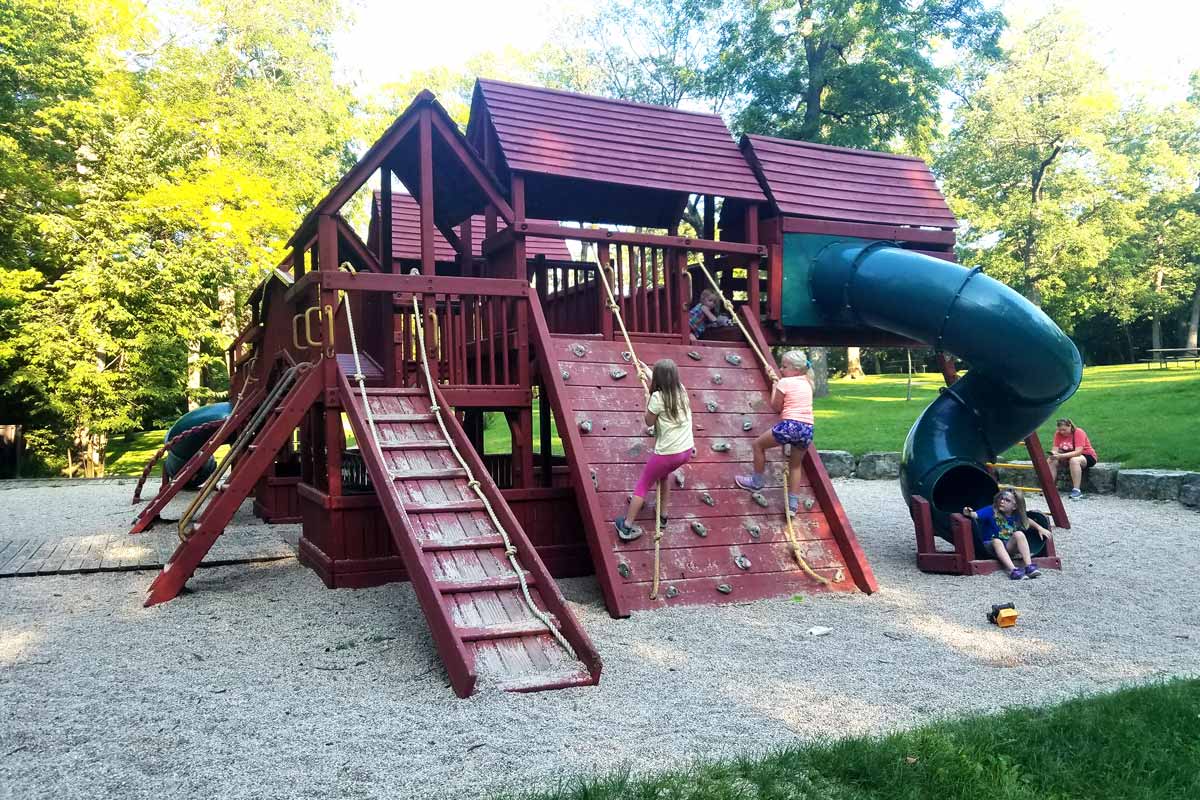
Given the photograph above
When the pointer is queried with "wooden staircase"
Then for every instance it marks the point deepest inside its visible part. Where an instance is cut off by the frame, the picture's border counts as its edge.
(455, 556)
(720, 545)
(274, 431)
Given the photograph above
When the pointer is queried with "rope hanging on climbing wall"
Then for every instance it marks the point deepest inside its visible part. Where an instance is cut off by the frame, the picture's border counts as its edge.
(658, 531)
(509, 549)
(789, 530)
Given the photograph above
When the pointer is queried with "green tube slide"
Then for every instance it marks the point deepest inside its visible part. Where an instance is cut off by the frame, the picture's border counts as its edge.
(1021, 366)
(187, 446)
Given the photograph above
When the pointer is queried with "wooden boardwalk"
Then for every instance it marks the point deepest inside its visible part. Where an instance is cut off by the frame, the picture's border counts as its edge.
(20, 558)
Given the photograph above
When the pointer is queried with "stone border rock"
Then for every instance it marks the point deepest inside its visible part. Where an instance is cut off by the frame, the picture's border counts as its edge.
(1103, 478)
(50, 483)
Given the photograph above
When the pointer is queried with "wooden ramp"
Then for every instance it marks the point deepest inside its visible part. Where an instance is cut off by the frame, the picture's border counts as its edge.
(455, 556)
(720, 546)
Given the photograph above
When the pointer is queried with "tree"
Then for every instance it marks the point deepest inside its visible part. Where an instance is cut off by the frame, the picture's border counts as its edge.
(859, 73)
(1029, 165)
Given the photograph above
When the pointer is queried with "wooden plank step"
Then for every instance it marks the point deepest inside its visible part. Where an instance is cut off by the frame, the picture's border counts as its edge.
(557, 679)
(507, 630)
(428, 474)
(394, 392)
(449, 505)
(484, 584)
(431, 444)
(469, 543)
(402, 417)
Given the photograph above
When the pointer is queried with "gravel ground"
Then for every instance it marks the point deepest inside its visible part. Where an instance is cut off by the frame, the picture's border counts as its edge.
(263, 684)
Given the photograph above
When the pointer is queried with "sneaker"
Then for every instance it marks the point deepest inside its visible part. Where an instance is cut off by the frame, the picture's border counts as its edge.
(751, 483)
(1032, 571)
(1076, 494)
(626, 533)
(1016, 574)
(794, 503)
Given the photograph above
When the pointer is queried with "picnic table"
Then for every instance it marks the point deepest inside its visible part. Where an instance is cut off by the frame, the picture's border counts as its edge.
(1164, 355)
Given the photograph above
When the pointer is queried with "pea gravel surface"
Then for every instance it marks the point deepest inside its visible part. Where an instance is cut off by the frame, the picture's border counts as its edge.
(261, 683)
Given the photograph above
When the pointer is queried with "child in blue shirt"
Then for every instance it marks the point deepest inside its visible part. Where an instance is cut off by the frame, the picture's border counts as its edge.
(1003, 526)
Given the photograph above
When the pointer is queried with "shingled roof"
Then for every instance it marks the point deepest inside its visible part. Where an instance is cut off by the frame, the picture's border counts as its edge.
(803, 179)
(558, 139)
(406, 234)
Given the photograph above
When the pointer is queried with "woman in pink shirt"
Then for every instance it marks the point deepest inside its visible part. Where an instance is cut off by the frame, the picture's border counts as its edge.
(1071, 445)
(792, 397)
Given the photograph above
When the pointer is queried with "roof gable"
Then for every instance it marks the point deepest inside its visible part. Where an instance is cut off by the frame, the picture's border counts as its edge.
(804, 179)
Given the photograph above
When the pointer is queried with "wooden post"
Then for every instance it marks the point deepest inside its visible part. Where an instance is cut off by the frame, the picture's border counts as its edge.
(489, 159)
(684, 288)
(466, 259)
(710, 218)
(606, 320)
(1049, 488)
(752, 270)
(545, 416)
(385, 218)
(428, 266)
(335, 440)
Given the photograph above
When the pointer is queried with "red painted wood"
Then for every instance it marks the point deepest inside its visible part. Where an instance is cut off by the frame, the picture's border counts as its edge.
(167, 492)
(211, 521)
(891, 233)
(1049, 488)
(552, 230)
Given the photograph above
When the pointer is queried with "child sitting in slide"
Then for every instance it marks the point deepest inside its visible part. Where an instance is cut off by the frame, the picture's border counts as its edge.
(792, 397)
(1003, 527)
(704, 315)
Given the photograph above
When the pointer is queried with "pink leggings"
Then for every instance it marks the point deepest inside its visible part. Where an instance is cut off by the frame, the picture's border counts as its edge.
(657, 468)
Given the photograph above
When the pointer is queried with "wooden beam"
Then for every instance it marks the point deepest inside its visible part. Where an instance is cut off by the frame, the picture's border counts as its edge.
(751, 225)
(466, 254)
(347, 236)
(550, 230)
(385, 217)
(891, 233)
(408, 284)
(710, 217)
(428, 259)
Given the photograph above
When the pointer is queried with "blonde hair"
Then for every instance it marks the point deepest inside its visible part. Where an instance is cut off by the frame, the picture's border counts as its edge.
(794, 359)
(1019, 498)
(707, 294)
(665, 379)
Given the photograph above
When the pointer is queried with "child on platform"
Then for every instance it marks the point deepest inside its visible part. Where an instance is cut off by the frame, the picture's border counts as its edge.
(704, 315)
(792, 397)
(1003, 527)
(668, 410)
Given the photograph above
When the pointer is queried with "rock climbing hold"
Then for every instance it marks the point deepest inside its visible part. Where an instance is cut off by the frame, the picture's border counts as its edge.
(595, 483)
(672, 592)
(699, 529)
(650, 431)
(626, 356)
(707, 499)
(808, 504)
(747, 424)
(711, 405)
(623, 570)
(758, 498)
(733, 358)
(566, 376)
(839, 576)
(679, 479)
(742, 562)
(617, 373)
(717, 379)
(720, 447)
(694, 356)
(724, 588)
(753, 529)
(578, 350)
(586, 426)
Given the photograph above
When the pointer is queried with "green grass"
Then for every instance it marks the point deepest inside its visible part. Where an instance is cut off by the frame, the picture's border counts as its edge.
(1136, 743)
(1139, 417)
(127, 455)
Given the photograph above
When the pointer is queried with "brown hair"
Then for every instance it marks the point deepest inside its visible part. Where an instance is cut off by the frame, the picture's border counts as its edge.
(1018, 497)
(1065, 421)
(665, 379)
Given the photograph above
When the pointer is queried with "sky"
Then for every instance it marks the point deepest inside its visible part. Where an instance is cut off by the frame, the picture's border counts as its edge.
(1148, 44)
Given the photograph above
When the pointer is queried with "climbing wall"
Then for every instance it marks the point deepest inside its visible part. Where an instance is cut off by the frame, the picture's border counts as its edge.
(722, 544)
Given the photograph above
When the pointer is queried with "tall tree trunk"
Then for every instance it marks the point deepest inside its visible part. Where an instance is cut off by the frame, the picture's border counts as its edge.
(194, 376)
(1194, 319)
(854, 369)
(819, 356)
(1156, 339)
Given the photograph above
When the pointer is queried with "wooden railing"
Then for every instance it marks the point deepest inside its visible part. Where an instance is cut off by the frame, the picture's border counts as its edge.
(568, 294)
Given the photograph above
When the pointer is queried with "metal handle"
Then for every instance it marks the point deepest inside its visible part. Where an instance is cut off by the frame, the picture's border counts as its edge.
(308, 325)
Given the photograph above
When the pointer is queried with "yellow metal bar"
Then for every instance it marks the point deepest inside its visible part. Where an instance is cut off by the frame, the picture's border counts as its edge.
(1013, 466)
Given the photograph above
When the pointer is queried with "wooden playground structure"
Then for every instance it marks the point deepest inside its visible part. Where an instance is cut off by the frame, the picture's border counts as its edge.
(528, 266)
